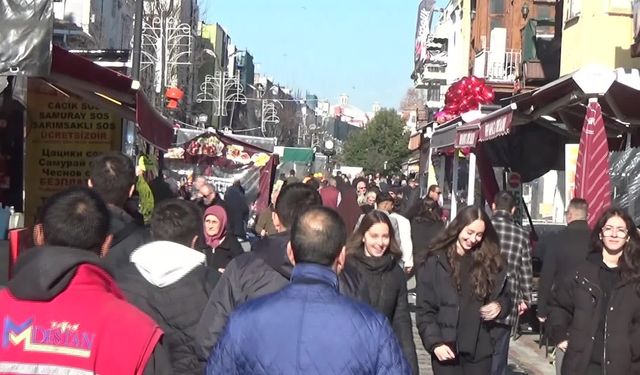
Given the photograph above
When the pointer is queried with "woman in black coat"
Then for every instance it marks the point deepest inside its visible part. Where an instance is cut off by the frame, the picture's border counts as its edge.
(595, 312)
(425, 227)
(373, 275)
(222, 246)
(461, 291)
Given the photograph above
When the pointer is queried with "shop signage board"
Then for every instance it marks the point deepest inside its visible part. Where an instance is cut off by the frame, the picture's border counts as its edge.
(495, 127)
(63, 133)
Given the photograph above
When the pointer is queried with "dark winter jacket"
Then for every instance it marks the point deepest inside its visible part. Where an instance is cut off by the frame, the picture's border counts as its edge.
(423, 232)
(438, 304)
(169, 283)
(566, 251)
(266, 269)
(576, 309)
(409, 206)
(382, 284)
(307, 328)
(220, 257)
(237, 211)
(128, 235)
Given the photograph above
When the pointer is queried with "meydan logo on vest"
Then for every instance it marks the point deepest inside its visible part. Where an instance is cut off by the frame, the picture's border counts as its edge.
(59, 338)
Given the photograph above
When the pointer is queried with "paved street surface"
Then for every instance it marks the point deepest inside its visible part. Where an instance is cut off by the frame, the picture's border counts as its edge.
(524, 356)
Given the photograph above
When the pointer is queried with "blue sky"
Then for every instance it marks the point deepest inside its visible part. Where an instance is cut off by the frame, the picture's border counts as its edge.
(363, 48)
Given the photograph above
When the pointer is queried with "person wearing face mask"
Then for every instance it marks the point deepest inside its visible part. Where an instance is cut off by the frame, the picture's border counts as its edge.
(222, 246)
(595, 311)
(461, 291)
(372, 273)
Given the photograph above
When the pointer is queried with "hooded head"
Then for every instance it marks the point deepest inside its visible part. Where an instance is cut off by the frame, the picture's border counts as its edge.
(215, 225)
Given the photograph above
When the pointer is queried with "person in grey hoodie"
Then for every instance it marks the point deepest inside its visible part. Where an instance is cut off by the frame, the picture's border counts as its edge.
(167, 279)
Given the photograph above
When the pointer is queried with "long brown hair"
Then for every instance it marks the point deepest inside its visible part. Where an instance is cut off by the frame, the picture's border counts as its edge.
(355, 245)
(487, 259)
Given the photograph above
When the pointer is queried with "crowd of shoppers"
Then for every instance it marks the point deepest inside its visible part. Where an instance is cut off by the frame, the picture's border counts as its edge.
(323, 289)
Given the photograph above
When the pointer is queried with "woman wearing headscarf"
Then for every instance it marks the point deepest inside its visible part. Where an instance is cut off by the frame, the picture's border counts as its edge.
(221, 245)
(348, 207)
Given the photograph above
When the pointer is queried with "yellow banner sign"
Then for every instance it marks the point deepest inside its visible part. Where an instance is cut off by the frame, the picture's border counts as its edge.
(63, 134)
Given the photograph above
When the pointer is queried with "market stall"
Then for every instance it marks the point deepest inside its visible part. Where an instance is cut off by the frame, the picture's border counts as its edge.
(222, 160)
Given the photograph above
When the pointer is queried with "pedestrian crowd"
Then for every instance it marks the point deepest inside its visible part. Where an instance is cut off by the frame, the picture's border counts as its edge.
(323, 290)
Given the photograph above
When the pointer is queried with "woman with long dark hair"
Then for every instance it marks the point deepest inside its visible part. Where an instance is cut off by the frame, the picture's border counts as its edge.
(425, 227)
(373, 275)
(461, 291)
(595, 312)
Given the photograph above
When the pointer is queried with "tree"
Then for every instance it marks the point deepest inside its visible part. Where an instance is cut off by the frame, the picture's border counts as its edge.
(413, 99)
(383, 140)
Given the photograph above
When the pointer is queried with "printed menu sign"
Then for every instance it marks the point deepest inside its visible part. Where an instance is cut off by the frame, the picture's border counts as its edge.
(63, 134)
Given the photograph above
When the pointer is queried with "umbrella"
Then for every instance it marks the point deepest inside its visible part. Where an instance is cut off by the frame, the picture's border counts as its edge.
(592, 168)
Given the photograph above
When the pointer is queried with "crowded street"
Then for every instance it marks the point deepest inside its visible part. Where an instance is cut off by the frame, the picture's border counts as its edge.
(380, 187)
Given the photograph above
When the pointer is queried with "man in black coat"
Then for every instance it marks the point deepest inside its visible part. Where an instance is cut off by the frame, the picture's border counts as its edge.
(167, 280)
(112, 176)
(238, 210)
(567, 250)
(266, 269)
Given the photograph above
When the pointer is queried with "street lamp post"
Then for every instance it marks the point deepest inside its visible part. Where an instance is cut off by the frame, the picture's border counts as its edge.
(221, 89)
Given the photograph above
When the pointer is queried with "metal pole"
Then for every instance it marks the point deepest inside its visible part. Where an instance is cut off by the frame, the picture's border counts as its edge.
(137, 40)
(454, 187)
(471, 189)
(221, 98)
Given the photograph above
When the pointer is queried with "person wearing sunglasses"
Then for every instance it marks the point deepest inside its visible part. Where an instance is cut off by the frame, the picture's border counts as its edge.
(595, 312)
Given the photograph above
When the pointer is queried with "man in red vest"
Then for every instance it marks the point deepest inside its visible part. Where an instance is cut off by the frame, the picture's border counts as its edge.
(330, 194)
(62, 312)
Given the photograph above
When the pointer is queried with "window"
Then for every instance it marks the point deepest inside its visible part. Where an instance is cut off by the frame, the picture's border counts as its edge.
(574, 8)
(496, 7)
(543, 11)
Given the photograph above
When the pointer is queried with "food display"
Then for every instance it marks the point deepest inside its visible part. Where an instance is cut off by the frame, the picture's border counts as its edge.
(237, 154)
(209, 146)
(260, 159)
(174, 153)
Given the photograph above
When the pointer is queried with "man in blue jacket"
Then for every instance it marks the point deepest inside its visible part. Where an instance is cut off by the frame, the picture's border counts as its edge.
(308, 327)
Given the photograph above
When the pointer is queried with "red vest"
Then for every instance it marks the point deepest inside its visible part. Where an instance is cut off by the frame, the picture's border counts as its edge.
(329, 196)
(88, 329)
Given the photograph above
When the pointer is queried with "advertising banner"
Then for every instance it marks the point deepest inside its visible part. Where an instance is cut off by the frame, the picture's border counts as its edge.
(423, 28)
(222, 160)
(63, 134)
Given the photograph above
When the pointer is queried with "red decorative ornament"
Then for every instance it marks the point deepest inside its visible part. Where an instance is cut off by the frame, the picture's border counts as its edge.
(467, 94)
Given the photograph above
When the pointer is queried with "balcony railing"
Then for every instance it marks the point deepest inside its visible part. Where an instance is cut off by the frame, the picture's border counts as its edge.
(498, 66)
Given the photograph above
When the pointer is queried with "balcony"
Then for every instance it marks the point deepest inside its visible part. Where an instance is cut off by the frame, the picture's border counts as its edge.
(498, 66)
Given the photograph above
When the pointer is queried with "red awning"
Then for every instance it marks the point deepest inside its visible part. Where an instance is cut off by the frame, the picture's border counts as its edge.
(467, 135)
(112, 91)
(496, 124)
